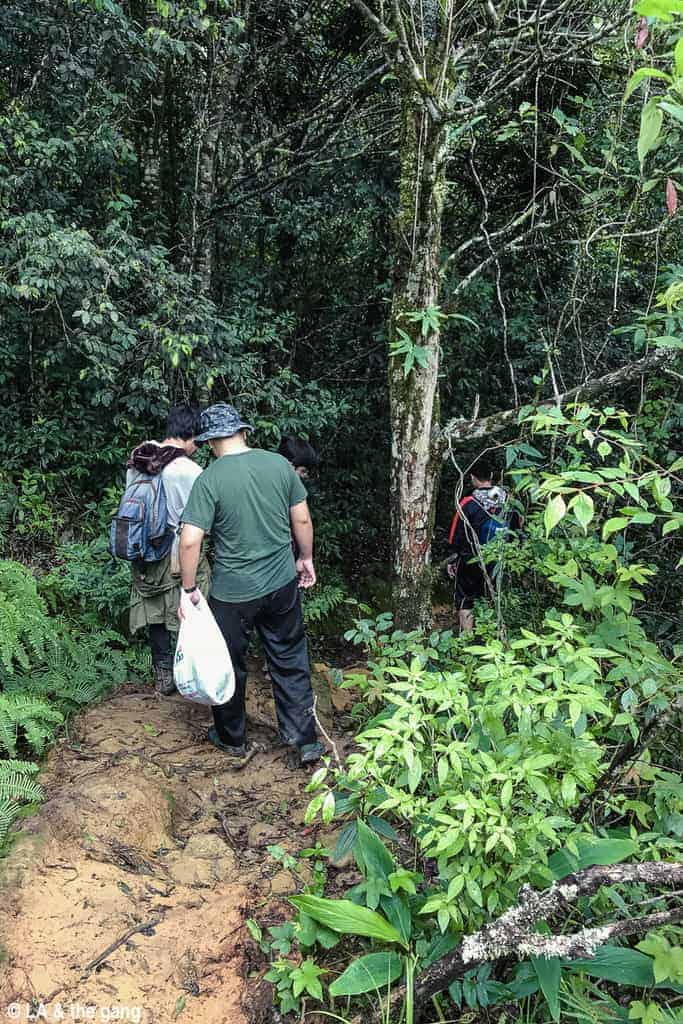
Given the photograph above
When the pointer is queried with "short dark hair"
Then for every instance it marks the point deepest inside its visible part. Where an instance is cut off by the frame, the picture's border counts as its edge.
(298, 452)
(182, 421)
(483, 469)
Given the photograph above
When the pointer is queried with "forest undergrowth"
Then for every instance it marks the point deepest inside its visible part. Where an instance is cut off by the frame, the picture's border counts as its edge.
(544, 746)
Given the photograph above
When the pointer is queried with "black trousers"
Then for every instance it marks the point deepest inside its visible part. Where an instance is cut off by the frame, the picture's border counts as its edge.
(162, 643)
(278, 619)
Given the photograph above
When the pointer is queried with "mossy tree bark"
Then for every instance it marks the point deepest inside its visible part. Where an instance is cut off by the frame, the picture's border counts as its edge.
(414, 399)
(417, 40)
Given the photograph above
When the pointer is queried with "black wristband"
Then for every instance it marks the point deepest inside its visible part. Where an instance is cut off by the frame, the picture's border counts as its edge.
(190, 590)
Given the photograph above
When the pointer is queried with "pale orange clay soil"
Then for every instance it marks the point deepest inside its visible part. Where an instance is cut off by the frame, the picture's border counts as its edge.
(146, 836)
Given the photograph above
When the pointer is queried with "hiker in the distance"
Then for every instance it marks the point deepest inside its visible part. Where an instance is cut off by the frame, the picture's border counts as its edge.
(252, 503)
(300, 454)
(303, 458)
(478, 518)
(155, 591)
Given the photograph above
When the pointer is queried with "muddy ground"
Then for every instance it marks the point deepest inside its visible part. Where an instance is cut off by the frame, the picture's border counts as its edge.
(126, 896)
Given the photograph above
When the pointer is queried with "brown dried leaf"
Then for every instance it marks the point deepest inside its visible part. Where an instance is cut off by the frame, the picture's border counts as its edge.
(671, 197)
(642, 34)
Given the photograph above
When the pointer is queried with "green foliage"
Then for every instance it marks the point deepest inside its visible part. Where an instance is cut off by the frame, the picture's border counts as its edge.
(28, 717)
(48, 672)
(652, 114)
(83, 667)
(323, 601)
(667, 959)
(370, 973)
(347, 918)
(18, 787)
(26, 633)
(87, 584)
(484, 753)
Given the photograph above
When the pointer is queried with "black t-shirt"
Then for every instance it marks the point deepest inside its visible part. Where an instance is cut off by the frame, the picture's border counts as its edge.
(472, 517)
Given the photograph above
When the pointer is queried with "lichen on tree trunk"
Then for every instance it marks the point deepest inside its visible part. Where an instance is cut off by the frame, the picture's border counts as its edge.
(414, 398)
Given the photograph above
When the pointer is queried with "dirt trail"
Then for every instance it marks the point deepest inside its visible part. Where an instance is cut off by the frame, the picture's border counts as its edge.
(144, 831)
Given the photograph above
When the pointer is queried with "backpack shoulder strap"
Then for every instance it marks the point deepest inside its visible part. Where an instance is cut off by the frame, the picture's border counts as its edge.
(456, 518)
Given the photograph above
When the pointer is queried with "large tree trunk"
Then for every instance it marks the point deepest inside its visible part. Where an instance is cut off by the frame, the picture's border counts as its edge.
(414, 399)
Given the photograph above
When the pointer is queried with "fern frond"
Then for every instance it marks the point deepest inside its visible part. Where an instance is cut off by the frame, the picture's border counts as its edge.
(17, 788)
(80, 670)
(26, 632)
(13, 767)
(35, 717)
(322, 603)
(8, 813)
(20, 789)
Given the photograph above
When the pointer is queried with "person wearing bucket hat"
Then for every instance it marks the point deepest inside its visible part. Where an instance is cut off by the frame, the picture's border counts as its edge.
(220, 420)
(251, 502)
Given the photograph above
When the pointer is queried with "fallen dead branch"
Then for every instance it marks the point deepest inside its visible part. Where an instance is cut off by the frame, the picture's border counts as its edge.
(145, 927)
(460, 430)
(514, 935)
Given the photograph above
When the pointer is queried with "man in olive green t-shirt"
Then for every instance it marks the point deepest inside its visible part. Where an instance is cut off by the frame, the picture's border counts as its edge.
(252, 502)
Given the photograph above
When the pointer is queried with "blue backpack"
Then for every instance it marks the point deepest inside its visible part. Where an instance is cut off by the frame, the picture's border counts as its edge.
(140, 532)
(488, 529)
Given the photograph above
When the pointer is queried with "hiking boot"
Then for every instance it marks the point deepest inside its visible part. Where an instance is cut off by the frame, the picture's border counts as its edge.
(239, 754)
(163, 680)
(310, 753)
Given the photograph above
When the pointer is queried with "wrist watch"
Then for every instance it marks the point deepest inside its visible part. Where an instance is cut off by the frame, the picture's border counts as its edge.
(190, 590)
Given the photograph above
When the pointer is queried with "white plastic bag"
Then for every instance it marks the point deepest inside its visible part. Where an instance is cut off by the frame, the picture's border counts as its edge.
(202, 670)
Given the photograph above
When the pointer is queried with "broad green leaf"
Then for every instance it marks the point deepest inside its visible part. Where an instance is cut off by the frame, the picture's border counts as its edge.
(345, 917)
(590, 851)
(678, 57)
(382, 828)
(667, 341)
(613, 526)
(650, 126)
(583, 508)
(662, 9)
(374, 972)
(549, 974)
(456, 886)
(327, 812)
(506, 793)
(638, 76)
(617, 964)
(569, 789)
(675, 109)
(372, 856)
(555, 510)
(344, 845)
(474, 891)
(398, 912)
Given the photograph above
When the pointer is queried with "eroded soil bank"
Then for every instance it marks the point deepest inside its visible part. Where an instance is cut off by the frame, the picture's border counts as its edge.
(145, 837)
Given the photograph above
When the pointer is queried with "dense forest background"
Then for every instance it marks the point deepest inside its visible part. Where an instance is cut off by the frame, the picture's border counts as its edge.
(200, 203)
(413, 232)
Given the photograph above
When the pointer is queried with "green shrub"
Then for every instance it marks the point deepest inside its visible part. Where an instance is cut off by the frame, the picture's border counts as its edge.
(18, 788)
(480, 756)
(48, 672)
(87, 584)
(26, 632)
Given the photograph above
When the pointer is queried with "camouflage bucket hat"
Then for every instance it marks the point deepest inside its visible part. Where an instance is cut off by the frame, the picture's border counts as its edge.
(220, 420)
